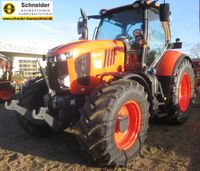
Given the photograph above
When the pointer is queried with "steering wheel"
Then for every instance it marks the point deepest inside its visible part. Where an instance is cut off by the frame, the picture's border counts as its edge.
(125, 37)
(138, 32)
(121, 37)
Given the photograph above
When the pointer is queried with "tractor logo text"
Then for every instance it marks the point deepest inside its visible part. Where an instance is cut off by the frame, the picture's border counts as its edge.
(9, 8)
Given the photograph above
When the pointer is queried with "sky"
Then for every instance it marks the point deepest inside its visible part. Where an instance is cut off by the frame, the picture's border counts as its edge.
(63, 28)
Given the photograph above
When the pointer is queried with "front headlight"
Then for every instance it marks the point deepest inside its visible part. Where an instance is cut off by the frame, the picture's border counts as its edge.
(64, 81)
(61, 57)
(64, 56)
(67, 81)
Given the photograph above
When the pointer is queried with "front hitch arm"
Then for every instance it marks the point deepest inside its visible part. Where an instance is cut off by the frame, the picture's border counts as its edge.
(14, 106)
(40, 115)
(43, 115)
(51, 92)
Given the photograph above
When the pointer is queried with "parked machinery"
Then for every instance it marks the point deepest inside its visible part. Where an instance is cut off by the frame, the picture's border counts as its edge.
(110, 86)
(6, 87)
(196, 67)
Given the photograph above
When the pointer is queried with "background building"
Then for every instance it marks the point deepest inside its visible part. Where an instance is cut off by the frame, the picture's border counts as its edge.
(24, 56)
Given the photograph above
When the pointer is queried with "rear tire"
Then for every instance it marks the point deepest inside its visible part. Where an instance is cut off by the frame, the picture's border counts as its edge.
(114, 123)
(31, 97)
(181, 94)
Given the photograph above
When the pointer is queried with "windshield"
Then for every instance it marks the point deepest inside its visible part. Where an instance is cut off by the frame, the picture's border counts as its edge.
(120, 23)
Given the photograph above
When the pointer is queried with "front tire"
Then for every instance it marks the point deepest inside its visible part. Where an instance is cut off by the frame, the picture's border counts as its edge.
(114, 123)
(34, 128)
(31, 97)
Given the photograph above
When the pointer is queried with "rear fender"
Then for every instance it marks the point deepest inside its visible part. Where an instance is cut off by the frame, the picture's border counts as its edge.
(166, 68)
(169, 62)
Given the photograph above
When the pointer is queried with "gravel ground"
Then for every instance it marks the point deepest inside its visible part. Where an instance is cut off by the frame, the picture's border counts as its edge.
(166, 148)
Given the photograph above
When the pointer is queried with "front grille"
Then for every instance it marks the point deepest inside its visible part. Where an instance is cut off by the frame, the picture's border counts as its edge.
(56, 71)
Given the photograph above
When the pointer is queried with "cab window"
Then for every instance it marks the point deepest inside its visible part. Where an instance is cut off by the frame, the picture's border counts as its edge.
(120, 23)
(156, 36)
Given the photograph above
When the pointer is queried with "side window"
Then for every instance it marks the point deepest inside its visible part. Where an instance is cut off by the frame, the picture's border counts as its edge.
(156, 37)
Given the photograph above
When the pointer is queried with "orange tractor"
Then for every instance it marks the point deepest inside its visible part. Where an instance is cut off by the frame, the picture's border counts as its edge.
(7, 89)
(109, 87)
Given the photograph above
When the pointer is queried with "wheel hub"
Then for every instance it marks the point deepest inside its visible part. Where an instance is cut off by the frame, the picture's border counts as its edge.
(122, 123)
(184, 92)
(127, 126)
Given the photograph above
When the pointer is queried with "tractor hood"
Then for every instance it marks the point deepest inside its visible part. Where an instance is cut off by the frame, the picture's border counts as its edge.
(81, 62)
(81, 47)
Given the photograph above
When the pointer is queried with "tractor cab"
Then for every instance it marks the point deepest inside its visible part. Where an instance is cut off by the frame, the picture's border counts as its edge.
(143, 27)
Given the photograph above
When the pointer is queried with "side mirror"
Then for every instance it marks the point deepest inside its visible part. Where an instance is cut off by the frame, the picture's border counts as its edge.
(82, 25)
(177, 44)
(164, 12)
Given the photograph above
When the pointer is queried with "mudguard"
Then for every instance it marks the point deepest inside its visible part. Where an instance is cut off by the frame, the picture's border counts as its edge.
(168, 62)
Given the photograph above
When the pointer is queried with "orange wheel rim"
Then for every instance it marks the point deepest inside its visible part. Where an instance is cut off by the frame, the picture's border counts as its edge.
(127, 126)
(184, 92)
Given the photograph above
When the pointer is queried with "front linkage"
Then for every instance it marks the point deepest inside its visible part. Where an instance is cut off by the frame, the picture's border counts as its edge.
(56, 112)
(37, 102)
(41, 115)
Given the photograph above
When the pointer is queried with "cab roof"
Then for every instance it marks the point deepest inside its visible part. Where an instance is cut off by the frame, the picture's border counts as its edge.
(136, 4)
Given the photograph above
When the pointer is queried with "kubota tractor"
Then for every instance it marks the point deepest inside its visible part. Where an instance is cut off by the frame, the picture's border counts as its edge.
(6, 87)
(110, 86)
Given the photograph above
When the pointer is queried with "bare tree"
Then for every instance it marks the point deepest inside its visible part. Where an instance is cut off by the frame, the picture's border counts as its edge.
(195, 50)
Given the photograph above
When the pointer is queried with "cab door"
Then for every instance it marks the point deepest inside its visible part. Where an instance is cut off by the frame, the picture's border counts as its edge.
(156, 36)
